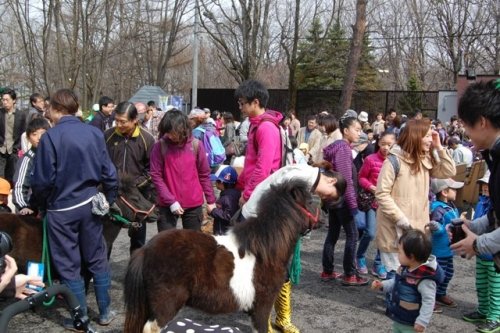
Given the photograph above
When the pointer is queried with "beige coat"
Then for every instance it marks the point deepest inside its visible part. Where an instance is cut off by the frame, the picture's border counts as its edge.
(326, 139)
(406, 199)
(314, 137)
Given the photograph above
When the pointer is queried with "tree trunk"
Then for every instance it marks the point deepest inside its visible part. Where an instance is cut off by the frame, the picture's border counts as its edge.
(354, 55)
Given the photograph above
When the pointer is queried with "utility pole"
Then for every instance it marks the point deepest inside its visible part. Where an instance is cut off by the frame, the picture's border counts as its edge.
(194, 95)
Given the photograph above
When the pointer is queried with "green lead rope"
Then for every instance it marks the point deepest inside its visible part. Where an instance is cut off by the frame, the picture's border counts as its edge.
(121, 219)
(295, 266)
(46, 260)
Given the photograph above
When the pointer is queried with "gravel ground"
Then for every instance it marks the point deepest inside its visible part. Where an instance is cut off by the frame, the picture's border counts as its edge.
(317, 306)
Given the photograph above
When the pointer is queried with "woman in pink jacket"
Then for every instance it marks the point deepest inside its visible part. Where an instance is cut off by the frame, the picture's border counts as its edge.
(367, 179)
(181, 175)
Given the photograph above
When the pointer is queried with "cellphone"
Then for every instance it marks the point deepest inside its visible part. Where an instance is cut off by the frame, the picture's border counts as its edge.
(35, 269)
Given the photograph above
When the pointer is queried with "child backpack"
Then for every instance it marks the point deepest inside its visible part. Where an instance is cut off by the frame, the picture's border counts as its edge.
(215, 150)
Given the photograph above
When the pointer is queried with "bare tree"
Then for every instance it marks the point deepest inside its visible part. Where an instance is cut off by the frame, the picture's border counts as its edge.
(354, 54)
(240, 31)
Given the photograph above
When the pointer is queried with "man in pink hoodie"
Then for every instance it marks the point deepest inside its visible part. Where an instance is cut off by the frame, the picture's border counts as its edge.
(263, 154)
(262, 158)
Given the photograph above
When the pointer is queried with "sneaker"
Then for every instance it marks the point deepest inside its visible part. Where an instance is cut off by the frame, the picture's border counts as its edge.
(330, 276)
(474, 317)
(380, 272)
(354, 280)
(105, 320)
(361, 266)
(489, 326)
(447, 301)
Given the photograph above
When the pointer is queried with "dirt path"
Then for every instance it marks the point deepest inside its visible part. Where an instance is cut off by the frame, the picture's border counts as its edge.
(317, 306)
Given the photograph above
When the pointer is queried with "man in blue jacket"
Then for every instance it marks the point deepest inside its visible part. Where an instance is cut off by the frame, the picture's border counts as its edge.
(70, 163)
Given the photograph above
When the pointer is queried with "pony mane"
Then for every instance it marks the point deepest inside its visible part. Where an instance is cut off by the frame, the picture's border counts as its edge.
(273, 233)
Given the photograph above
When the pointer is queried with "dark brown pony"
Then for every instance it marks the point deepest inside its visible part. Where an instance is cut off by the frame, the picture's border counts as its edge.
(240, 271)
(27, 231)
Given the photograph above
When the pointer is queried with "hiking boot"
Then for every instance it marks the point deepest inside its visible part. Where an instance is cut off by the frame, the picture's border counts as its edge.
(474, 317)
(380, 272)
(105, 320)
(354, 280)
(361, 266)
(329, 276)
(447, 301)
(489, 326)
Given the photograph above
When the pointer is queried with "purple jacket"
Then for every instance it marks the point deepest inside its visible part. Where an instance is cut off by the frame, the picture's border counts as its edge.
(182, 175)
(340, 156)
(263, 154)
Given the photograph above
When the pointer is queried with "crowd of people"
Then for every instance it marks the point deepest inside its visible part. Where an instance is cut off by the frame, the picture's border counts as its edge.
(387, 181)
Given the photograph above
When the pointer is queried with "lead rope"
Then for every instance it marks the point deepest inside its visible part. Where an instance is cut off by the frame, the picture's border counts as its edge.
(46, 260)
(296, 266)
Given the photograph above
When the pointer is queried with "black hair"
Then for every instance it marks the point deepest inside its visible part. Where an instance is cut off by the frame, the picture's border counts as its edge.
(104, 100)
(10, 92)
(293, 142)
(329, 122)
(327, 169)
(346, 123)
(174, 121)
(34, 97)
(228, 117)
(151, 103)
(226, 185)
(416, 245)
(481, 99)
(128, 109)
(251, 90)
(381, 135)
(311, 117)
(35, 124)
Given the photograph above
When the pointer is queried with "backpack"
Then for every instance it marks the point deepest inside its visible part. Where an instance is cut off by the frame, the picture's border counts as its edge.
(216, 152)
(285, 144)
(395, 164)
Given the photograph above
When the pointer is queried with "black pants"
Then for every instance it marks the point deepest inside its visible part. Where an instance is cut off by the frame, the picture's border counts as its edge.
(191, 219)
(8, 166)
(340, 217)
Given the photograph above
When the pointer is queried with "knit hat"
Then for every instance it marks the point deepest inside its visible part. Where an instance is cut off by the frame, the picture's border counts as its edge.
(363, 138)
(350, 113)
(438, 185)
(4, 187)
(226, 174)
(196, 113)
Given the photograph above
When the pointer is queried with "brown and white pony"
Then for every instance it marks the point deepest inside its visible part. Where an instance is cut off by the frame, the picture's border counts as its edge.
(27, 231)
(241, 271)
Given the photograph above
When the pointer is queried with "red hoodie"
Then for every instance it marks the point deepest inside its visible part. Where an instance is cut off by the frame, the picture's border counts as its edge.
(263, 155)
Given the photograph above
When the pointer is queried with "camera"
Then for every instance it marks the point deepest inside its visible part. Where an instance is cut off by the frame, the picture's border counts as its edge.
(5, 248)
(457, 233)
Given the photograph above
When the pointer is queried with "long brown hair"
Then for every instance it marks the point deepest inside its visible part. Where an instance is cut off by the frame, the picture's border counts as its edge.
(410, 141)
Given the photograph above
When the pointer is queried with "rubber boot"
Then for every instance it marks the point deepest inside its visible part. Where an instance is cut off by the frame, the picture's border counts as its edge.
(283, 308)
(77, 287)
(102, 281)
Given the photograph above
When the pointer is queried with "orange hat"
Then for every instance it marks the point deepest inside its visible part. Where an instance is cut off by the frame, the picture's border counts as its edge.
(4, 187)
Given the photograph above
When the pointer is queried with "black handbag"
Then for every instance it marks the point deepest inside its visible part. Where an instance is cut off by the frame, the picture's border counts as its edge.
(365, 200)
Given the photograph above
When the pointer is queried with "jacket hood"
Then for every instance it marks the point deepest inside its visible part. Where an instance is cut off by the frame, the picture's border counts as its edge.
(270, 115)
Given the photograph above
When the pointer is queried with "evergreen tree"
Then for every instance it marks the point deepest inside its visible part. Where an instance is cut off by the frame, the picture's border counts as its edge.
(367, 78)
(411, 99)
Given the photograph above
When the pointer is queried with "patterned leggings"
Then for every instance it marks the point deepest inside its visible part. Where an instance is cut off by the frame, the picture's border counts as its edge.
(447, 266)
(488, 289)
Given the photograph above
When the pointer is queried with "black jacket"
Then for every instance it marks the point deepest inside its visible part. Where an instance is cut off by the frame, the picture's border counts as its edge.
(492, 157)
(19, 128)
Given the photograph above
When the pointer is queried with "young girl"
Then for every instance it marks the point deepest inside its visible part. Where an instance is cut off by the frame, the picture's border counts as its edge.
(368, 176)
(343, 215)
(403, 186)
(181, 175)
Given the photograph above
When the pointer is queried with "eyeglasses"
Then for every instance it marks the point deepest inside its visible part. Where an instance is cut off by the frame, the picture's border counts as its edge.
(241, 103)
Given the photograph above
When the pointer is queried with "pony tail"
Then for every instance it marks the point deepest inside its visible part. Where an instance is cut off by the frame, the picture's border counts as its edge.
(137, 310)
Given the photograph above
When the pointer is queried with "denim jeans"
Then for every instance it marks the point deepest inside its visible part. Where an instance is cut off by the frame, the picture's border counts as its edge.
(368, 234)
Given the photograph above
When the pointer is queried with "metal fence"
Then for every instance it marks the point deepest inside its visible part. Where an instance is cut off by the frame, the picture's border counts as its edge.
(314, 101)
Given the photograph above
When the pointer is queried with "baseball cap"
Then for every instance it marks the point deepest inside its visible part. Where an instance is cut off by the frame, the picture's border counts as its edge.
(438, 185)
(4, 187)
(226, 174)
(363, 116)
(196, 113)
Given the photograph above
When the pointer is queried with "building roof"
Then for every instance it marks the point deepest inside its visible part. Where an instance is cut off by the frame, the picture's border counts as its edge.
(148, 93)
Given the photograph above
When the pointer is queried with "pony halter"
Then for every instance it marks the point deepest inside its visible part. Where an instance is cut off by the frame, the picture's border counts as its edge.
(313, 219)
(137, 211)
